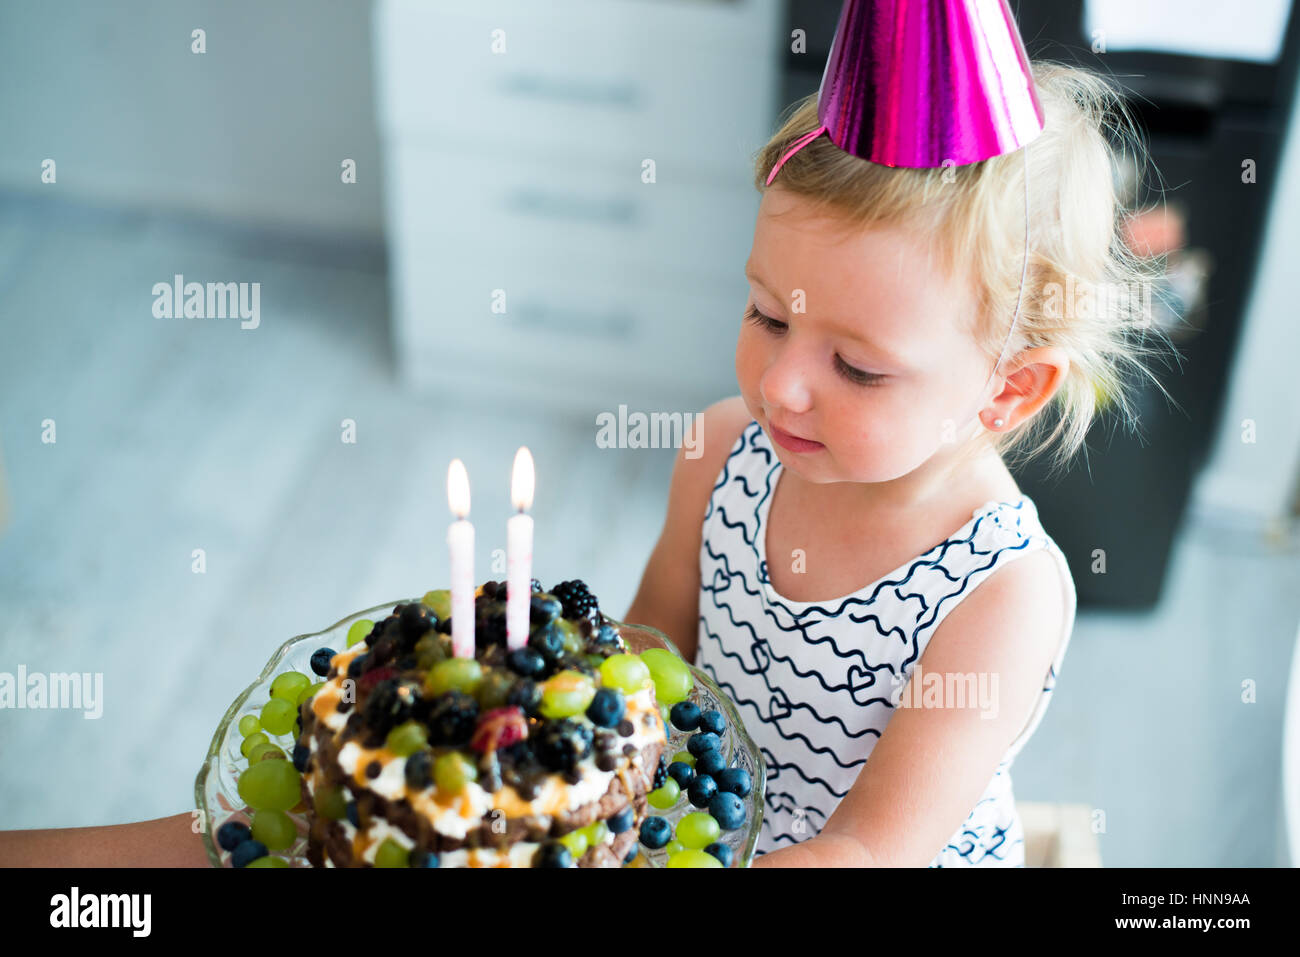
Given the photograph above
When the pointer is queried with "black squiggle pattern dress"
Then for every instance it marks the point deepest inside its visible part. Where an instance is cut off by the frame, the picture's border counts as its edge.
(816, 683)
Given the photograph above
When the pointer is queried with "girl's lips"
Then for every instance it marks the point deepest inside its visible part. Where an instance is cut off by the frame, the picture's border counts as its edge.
(792, 442)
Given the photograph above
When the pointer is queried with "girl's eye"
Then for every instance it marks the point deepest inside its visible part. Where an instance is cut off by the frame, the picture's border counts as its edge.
(766, 322)
(857, 376)
(854, 375)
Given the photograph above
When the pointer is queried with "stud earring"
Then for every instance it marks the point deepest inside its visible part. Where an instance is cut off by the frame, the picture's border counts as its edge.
(997, 423)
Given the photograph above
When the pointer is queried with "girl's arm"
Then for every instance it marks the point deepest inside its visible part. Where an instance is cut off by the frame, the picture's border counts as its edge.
(163, 842)
(669, 596)
(932, 763)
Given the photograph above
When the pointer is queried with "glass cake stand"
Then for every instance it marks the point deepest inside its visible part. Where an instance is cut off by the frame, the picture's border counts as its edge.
(216, 787)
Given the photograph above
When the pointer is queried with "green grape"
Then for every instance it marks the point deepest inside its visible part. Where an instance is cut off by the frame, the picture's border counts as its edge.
(359, 630)
(627, 673)
(693, 858)
(260, 751)
(439, 602)
(270, 785)
(249, 724)
(596, 832)
(252, 741)
(595, 660)
(459, 674)
(495, 688)
(407, 738)
(289, 685)
(430, 650)
(576, 842)
(392, 854)
(672, 676)
(567, 694)
(698, 830)
(331, 803)
(274, 829)
(666, 796)
(278, 716)
(310, 691)
(453, 771)
(685, 757)
(268, 861)
(674, 847)
(573, 640)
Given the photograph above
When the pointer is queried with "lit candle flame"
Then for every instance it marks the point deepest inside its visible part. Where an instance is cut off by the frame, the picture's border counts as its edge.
(458, 488)
(521, 480)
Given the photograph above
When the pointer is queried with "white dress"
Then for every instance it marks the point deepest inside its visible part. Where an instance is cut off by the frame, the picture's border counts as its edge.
(816, 682)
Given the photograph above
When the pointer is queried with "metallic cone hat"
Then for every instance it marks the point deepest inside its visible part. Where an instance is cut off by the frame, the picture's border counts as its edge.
(926, 83)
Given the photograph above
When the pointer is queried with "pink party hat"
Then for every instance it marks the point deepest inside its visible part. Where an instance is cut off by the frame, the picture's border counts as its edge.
(920, 82)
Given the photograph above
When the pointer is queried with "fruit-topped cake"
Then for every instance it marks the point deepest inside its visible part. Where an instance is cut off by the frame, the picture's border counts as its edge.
(541, 756)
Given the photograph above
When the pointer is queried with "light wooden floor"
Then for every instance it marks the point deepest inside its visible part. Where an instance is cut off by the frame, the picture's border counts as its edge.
(184, 434)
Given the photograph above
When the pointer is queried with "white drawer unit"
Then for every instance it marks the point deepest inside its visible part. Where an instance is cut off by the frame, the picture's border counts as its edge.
(522, 172)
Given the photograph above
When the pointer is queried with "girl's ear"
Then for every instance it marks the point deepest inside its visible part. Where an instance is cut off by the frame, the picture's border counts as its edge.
(1037, 376)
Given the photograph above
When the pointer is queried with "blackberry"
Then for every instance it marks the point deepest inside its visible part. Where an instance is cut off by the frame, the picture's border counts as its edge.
(661, 772)
(451, 718)
(577, 599)
(526, 695)
(492, 630)
(390, 703)
(561, 744)
(415, 621)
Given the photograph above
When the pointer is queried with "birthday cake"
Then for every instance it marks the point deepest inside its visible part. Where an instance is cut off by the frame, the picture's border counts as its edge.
(541, 756)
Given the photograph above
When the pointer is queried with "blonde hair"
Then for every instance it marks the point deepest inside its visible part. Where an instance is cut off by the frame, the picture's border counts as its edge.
(976, 213)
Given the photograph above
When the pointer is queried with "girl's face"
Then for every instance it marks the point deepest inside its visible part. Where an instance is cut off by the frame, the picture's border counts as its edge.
(861, 364)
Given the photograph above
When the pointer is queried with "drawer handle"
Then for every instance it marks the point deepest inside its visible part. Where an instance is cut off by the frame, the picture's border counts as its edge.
(568, 319)
(621, 94)
(551, 205)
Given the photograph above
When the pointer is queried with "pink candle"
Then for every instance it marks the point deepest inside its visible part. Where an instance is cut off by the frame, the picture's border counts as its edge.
(519, 552)
(460, 539)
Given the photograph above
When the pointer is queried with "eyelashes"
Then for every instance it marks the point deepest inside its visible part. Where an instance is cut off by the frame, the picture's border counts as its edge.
(851, 373)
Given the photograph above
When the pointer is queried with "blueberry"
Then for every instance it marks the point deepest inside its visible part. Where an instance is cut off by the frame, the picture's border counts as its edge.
(419, 770)
(728, 810)
(685, 716)
(552, 854)
(605, 635)
(721, 852)
(682, 773)
(655, 832)
(631, 855)
(300, 755)
(735, 781)
(544, 609)
(607, 708)
(620, 822)
(420, 858)
(548, 642)
(320, 661)
(702, 790)
(231, 834)
(247, 852)
(357, 666)
(354, 816)
(526, 662)
(713, 721)
(697, 744)
(710, 763)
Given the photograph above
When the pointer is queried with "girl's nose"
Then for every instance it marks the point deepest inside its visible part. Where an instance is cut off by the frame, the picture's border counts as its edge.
(787, 382)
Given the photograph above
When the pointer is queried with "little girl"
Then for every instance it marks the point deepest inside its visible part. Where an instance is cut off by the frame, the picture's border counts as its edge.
(851, 525)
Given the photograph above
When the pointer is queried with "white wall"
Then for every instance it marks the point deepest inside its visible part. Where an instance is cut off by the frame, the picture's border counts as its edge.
(252, 130)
